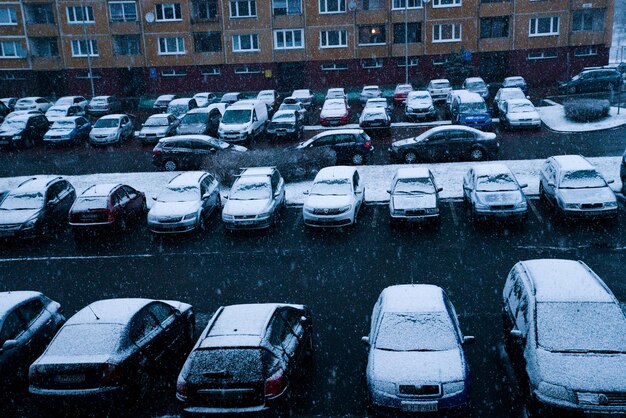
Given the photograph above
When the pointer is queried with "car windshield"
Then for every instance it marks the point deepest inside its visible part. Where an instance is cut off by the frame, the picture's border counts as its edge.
(370, 90)
(13, 124)
(86, 339)
(99, 100)
(251, 189)
(375, 104)
(287, 106)
(32, 200)
(25, 101)
(416, 331)
(473, 107)
(521, 107)
(64, 124)
(501, 182)
(229, 98)
(582, 179)
(156, 121)
(107, 123)
(374, 112)
(581, 327)
(284, 118)
(90, 202)
(421, 185)
(195, 119)
(179, 194)
(476, 85)
(65, 100)
(237, 116)
(332, 187)
(441, 85)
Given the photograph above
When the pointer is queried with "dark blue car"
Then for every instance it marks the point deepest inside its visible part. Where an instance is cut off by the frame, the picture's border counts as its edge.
(469, 109)
(68, 130)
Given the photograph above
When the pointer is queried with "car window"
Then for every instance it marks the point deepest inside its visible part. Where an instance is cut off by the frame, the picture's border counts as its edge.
(30, 311)
(132, 193)
(54, 191)
(144, 324)
(293, 318)
(119, 197)
(344, 139)
(161, 311)
(12, 327)
(324, 141)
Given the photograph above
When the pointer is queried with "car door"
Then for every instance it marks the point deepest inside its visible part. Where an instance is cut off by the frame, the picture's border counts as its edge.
(121, 200)
(434, 148)
(134, 207)
(14, 328)
(38, 327)
(358, 190)
(67, 195)
(208, 195)
(183, 153)
(53, 210)
(128, 126)
(279, 339)
(144, 332)
(461, 143)
(345, 146)
(548, 179)
(172, 332)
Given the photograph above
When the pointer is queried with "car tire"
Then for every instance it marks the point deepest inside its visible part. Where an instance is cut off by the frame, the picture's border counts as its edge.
(477, 154)
(410, 157)
(358, 159)
(170, 165)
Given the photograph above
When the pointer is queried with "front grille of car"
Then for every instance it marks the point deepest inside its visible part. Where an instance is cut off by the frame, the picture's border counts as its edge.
(101, 136)
(334, 211)
(591, 206)
(415, 212)
(419, 390)
(602, 399)
(243, 217)
(54, 137)
(502, 207)
(171, 219)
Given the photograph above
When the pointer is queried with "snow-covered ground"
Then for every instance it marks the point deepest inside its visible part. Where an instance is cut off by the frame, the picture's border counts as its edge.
(554, 118)
(376, 178)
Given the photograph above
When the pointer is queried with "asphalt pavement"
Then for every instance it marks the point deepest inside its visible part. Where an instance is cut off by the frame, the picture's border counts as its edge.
(337, 273)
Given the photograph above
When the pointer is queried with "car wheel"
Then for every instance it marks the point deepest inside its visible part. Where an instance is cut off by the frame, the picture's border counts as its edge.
(358, 159)
(410, 157)
(170, 165)
(477, 154)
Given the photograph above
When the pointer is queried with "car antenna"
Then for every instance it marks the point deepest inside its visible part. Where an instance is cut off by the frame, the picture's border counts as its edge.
(93, 312)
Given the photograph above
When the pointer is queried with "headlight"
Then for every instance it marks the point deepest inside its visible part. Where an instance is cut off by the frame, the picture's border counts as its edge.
(152, 218)
(432, 211)
(66, 136)
(409, 109)
(382, 386)
(344, 209)
(451, 388)
(571, 205)
(612, 204)
(29, 223)
(17, 137)
(309, 209)
(431, 108)
(264, 215)
(227, 217)
(190, 216)
(522, 204)
(556, 392)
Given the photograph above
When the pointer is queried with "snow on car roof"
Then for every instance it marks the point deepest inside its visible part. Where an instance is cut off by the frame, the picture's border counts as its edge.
(10, 299)
(301, 92)
(413, 173)
(68, 119)
(338, 171)
(337, 132)
(474, 80)
(100, 189)
(29, 99)
(163, 115)
(491, 169)
(418, 93)
(181, 101)
(519, 101)
(166, 97)
(468, 96)
(565, 281)
(284, 112)
(244, 319)
(371, 88)
(440, 80)
(444, 128)
(36, 184)
(101, 97)
(111, 311)
(514, 78)
(257, 171)
(113, 116)
(572, 162)
(413, 298)
(186, 178)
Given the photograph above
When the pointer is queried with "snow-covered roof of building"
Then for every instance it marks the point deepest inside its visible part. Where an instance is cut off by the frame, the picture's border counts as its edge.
(109, 311)
(413, 298)
(572, 162)
(413, 173)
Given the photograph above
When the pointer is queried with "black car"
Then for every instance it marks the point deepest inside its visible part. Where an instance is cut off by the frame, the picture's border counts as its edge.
(248, 358)
(285, 124)
(446, 143)
(28, 321)
(36, 206)
(188, 151)
(23, 131)
(201, 121)
(592, 80)
(622, 173)
(109, 350)
(350, 145)
(230, 98)
(4, 110)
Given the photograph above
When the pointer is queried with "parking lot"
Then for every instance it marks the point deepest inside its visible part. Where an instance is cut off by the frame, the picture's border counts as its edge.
(338, 274)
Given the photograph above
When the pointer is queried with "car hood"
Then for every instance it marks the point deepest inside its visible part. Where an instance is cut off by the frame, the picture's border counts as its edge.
(246, 207)
(418, 201)
(419, 103)
(584, 372)
(10, 132)
(524, 115)
(402, 142)
(75, 359)
(196, 128)
(332, 113)
(164, 209)
(17, 216)
(499, 198)
(328, 202)
(159, 130)
(603, 194)
(104, 131)
(235, 126)
(66, 131)
(417, 366)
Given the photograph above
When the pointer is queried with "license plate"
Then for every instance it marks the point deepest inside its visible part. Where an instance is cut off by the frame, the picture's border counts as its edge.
(280, 134)
(89, 217)
(246, 222)
(419, 406)
(69, 378)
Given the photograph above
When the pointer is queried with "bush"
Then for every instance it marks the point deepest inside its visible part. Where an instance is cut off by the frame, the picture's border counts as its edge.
(294, 165)
(586, 110)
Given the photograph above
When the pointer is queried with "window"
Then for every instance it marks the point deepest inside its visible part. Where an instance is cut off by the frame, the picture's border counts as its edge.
(168, 12)
(44, 47)
(123, 11)
(332, 6)
(210, 71)
(171, 46)
(369, 63)
(414, 30)
(542, 55)
(289, 39)
(586, 51)
(334, 67)
(409, 4)
(447, 32)
(173, 73)
(440, 61)
(11, 49)
(372, 35)
(80, 14)
(543, 26)
(39, 13)
(244, 43)
(207, 41)
(446, 3)
(287, 7)
(127, 45)
(204, 9)
(83, 48)
(494, 27)
(591, 20)
(412, 62)
(333, 39)
(373, 4)
(8, 17)
(243, 8)
(246, 69)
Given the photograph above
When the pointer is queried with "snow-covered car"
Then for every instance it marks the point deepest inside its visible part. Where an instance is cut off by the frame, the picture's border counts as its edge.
(622, 173)
(565, 332)
(255, 200)
(516, 81)
(23, 130)
(574, 187)
(178, 152)
(57, 112)
(400, 93)
(293, 104)
(439, 88)
(335, 198)
(179, 107)
(71, 129)
(492, 192)
(231, 98)
(519, 113)
(416, 359)
(205, 99)
(270, 98)
(336, 93)
(476, 85)
(158, 126)
(163, 101)
(370, 92)
(9, 102)
(503, 94)
(379, 102)
(285, 124)
(334, 113)
(304, 96)
(102, 105)
(419, 105)
(351, 146)
(33, 103)
(202, 120)
(374, 117)
(414, 195)
(185, 203)
(79, 101)
(111, 129)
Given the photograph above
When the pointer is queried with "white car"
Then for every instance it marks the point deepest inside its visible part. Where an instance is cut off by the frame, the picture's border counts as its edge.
(205, 99)
(370, 92)
(158, 126)
(439, 88)
(379, 102)
(57, 112)
(414, 195)
(504, 94)
(476, 85)
(185, 204)
(519, 113)
(304, 96)
(419, 105)
(334, 112)
(374, 117)
(79, 101)
(336, 93)
(111, 129)
(335, 198)
(33, 103)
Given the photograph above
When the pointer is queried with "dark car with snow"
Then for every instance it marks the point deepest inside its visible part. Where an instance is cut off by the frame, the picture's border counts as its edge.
(28, 321)
(202, 120)
(248, 359)
(23, 131)
(595, 79)
(111, 349)
(285, 125)
(350, 145)
(188, 151)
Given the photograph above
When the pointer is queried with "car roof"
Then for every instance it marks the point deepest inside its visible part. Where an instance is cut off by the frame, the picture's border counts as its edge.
(557, 280)
(100, 97)
(340, 101)
(515, 78)
(257, 171)
(440, 80)
(36, 184)
(417, 93)
(307, 91)
(70, 97)
(100, 190)
(572, 162)
(413, 298)
(468, 96)
(113, 116)
(491, 169)
(339, 132)
(61, 106)
(30, 98)
(242, 104)
(25, 117)
(68, 118)
(182, 100)
(376, 100)
(474, 79)
(412, 173)
(186, 178)
(370, 87)
(444, 128)
(166, 96)
(518, 101)
(336, 89)
(510, 89)
(202, 93)
(284, 112)
(267, 91)
(335, 172)
(12, 298)
(109, 311)
(196, 137)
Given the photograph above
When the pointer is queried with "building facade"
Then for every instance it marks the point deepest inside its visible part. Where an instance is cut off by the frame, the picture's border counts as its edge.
(150, 46)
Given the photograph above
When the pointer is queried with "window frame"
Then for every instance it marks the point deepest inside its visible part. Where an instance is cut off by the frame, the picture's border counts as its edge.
(378, 63)
(418, 4)
(210, 71)
(287, 8)
(247, 69)
(440, 31)
(90, 53)
(590, 13)
(11, 14)
(122, 3)
(197, 35)
(536, 34)
(455, 3)
(163, 7)
(85, 11)
(284, 33)
(544, 55)
(491, 20)
(325, 34)
(254, 38)
(49, 40)
(341, 7)
(239, 16)
(418, 31)
(334, 67)
(117, 50)
(592, 51)
(383, 33)
(167, 51)
(34, 10)
(197, 5)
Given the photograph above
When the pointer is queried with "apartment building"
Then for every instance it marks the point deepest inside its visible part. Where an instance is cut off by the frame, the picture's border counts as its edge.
(151, 46)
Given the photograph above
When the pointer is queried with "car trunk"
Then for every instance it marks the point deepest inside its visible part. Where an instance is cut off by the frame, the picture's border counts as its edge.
(69, 376)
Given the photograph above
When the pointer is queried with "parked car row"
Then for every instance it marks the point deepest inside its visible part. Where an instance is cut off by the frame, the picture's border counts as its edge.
(559, 320)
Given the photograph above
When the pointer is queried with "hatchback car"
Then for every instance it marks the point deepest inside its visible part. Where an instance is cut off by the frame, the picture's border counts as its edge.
(57, 112)
(158, 126)
(336, 93)
(202, 120)
(380, 102)
(292, 104)
(247, 360)
(28, 321)
(350, 145)
(419, 105)
(492, 192)
(285, 125)
(79, 101)
(304, 96)
(414, 196)
(107, 206)
(35, 207)
(69, 130)
(179, 107)
(188, 151)
(335, 198)
(23, 131)
(334, 113)
(230, 98)
(255, 199)
(445, 143)
(163, 101)
(476, 85)
(503, 94)
(4, 111)
(185, 204)
(416, 359)
(271, 99)
(111, 129)
(592, 80)
(205, 99)
(102, 105)
(370, 92)
(469, 108)
(519, 113)
(400, 93)
(565, 333)
(109, 350)
(576, 189)
(439, 89)
(33, 103)
(374, 117)
(516, 81)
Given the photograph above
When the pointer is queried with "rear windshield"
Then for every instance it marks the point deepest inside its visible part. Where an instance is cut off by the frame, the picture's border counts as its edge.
(64, 124)
(92, 202)
(157, 121)
(235, 364)
(86, 339)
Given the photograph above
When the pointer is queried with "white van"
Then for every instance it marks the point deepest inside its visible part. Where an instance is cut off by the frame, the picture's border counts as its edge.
(243, 121)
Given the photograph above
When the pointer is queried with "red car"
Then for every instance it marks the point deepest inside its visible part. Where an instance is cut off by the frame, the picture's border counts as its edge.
(107, 205)
(400, 93)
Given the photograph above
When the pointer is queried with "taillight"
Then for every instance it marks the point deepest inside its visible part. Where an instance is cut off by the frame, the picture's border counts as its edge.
(344, 118)
(323, 120)
(367, 145)
(156, 151)
(111, 373)
(60, 309)
(182, 387)
(276, 384)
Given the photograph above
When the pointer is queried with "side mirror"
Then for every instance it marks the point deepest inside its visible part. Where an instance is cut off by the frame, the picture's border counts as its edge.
(551, 183)
(225, 196)
(305, 192)
(610, 181)
(365, 341)
(469, 339)
(8, 345)
(303, 318)
(439, 189)
(523, 185)
(516, 334)
(528, 97)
